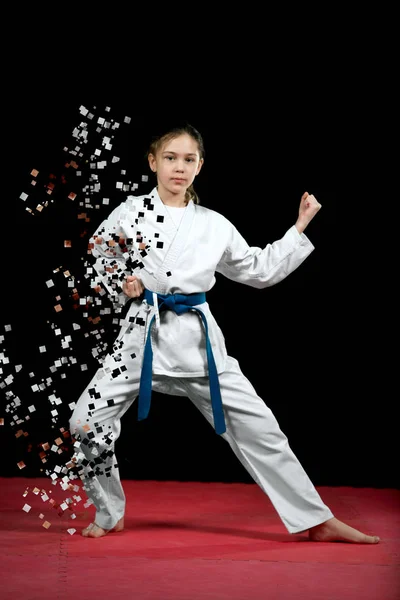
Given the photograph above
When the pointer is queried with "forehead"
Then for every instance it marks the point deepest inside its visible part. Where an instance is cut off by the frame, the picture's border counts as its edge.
(182, 144)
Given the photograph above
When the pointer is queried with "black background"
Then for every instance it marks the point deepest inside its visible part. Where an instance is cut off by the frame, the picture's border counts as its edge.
(315, 347)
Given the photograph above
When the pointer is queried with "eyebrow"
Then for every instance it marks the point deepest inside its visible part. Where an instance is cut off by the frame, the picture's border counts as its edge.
(170, 152)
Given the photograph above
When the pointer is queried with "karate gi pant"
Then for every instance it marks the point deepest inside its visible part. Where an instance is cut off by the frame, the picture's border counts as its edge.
(252, 432)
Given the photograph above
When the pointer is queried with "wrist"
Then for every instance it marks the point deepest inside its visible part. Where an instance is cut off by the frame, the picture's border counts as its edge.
(300, 225)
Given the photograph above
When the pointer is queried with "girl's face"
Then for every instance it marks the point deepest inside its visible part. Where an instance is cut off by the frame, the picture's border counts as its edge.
(176, 163)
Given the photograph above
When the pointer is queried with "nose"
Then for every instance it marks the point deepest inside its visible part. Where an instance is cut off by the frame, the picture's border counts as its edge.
(179, 166)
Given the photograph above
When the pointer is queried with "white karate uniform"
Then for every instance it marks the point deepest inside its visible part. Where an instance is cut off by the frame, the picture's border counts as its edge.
(140, 237)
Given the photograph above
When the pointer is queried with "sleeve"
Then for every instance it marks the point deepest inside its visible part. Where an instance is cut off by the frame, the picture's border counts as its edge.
(263, 267)
(111, 258)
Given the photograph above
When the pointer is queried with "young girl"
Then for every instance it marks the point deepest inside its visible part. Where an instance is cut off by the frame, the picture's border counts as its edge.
(156, 255)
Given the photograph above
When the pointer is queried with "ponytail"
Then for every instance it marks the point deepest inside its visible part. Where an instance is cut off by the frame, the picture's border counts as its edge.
(191, 195)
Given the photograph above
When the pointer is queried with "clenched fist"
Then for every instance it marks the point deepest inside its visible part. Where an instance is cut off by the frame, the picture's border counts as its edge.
(309, 206)
(133, 287)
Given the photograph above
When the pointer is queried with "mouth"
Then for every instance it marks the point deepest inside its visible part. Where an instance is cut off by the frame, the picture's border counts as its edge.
(178, 179)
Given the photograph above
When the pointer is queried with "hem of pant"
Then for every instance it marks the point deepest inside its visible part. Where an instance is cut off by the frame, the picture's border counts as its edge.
(96, 520)
(303, 528)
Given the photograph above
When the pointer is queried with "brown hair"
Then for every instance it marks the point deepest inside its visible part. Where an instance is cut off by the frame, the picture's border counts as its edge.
(160, 140)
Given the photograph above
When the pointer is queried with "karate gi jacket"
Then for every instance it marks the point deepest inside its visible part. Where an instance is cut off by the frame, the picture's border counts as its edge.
(140, 238)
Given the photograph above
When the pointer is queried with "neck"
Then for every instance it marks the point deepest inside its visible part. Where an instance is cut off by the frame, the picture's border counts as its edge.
(170, 199)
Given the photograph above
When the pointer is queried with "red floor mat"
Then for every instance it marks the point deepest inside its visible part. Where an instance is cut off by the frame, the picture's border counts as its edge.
(191, 541)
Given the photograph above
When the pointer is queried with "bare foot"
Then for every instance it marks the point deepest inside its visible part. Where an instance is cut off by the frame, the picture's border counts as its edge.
(334, 530)
(95, 531)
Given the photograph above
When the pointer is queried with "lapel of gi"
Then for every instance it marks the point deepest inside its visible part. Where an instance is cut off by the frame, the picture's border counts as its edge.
(177, 243)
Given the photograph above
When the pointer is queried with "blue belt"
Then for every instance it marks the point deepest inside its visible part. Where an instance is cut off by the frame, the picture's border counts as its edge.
(179, 303)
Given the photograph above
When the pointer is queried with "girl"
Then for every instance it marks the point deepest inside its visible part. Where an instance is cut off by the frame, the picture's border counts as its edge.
(157, 255)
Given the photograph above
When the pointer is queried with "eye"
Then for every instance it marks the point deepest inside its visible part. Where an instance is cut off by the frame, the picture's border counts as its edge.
(169, 157)
(190, 159)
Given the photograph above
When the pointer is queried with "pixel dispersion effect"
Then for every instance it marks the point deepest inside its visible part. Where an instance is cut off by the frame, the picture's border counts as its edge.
(83, 305)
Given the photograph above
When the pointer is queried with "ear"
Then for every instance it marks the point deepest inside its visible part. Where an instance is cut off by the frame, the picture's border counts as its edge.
(201, 161)
(152, 162)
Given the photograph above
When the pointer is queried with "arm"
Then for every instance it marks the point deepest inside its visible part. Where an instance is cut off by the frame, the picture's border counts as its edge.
(263, 267)
(112, 262)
